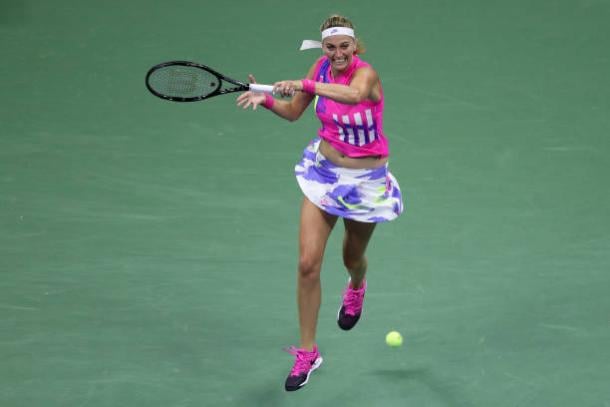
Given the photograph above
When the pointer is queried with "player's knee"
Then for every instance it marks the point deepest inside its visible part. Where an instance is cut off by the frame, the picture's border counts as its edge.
(309, 267)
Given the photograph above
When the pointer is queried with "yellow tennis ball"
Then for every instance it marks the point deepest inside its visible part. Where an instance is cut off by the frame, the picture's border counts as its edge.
(393, 339)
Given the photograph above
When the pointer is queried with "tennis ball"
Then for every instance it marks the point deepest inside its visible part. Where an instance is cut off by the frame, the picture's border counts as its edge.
(393, 339)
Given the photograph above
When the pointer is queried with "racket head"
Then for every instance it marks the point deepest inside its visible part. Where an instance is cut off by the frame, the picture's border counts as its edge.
(185, 81)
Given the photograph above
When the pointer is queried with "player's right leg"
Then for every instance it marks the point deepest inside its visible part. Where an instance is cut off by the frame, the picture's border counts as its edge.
(315, 228)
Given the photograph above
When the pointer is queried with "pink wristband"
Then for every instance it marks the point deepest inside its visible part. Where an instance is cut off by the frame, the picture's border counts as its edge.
(269, 101)
(309, 86)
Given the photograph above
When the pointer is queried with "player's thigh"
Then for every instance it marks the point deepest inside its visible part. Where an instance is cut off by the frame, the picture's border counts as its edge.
(356, 238)
(315, 228)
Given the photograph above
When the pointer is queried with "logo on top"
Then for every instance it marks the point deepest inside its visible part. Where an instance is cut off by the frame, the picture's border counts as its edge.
(334, 30)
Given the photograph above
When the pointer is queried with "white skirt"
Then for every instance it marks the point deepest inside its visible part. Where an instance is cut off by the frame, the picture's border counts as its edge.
(365, 195)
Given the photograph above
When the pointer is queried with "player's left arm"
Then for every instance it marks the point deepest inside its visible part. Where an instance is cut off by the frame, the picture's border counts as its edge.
(361, 87)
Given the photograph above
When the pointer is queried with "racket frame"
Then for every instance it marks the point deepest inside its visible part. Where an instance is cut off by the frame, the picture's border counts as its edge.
(239, 86)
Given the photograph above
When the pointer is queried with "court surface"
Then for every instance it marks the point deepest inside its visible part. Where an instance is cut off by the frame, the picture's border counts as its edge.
(148, 249)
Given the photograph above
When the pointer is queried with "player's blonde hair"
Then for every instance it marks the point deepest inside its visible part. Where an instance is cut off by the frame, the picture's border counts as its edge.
(337, 20)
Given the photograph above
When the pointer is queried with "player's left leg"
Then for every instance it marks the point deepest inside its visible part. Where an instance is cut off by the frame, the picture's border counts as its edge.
(355, 241)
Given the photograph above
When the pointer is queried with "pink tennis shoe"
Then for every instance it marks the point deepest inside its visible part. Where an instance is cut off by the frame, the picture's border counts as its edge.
(351, 308)
(305, 362)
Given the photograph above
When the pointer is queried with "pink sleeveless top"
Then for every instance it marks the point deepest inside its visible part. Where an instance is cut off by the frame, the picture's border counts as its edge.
(354, 130)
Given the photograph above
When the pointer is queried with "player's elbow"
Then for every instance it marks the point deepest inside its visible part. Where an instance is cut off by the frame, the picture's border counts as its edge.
(355, 96)
(357, 99)
(294, 113)
(292, 116)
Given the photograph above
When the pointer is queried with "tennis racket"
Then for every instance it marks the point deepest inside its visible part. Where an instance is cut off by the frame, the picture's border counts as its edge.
(184, 81)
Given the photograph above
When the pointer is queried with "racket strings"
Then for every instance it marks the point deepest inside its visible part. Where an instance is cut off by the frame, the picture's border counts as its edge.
(183, 82)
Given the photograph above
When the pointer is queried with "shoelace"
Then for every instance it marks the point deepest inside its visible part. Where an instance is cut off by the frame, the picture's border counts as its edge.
(352, 300)
(302, 364)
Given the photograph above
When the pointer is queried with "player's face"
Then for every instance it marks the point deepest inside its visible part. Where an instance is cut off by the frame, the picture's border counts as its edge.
(339, 49)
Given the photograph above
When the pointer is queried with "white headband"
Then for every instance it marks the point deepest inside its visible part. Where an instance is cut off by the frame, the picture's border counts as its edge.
(337, 31)
(309, 44)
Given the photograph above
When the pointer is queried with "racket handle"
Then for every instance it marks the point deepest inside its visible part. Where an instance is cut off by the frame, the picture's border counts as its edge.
(255, 87)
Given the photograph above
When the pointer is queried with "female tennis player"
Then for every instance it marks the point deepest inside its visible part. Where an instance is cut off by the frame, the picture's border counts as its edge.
(343, 174)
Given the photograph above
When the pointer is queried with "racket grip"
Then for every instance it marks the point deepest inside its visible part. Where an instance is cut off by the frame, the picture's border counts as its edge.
(255, 87)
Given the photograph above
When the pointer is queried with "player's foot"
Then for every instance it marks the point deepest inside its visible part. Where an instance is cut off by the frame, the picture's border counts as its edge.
(305, 362)
(351, 309)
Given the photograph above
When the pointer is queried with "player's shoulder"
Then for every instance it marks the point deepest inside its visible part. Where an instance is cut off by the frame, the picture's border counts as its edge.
(365, 69)
(361, 63)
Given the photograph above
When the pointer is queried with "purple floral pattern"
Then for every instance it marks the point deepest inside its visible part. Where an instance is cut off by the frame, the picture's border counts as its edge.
(367, 195)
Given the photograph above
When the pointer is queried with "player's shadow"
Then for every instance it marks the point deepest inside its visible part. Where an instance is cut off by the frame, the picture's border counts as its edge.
(268, 394)
(271, 396)
(448, 392)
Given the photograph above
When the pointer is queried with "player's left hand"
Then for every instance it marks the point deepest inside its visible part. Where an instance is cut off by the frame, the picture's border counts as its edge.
(250, 98)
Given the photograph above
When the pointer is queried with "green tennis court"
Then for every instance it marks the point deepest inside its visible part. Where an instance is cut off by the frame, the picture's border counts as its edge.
(148, 249)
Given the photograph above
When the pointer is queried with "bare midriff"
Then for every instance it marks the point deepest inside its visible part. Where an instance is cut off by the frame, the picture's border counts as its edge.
(340, 159)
